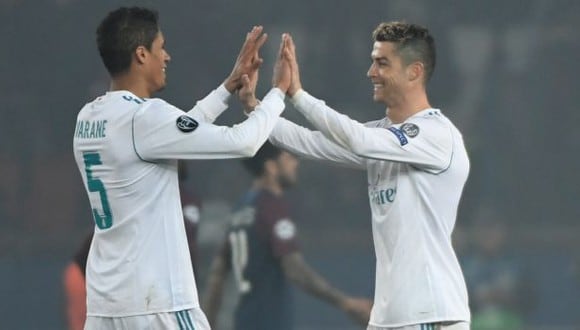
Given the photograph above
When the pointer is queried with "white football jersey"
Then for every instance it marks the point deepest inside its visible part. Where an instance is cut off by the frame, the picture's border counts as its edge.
(126, 149)
(416, 173)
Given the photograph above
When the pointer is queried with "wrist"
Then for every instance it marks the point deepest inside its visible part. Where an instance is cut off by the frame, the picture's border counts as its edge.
(250, 105)
(231, 85)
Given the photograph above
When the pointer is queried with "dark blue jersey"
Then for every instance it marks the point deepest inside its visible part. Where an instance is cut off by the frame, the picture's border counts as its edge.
(261, 233)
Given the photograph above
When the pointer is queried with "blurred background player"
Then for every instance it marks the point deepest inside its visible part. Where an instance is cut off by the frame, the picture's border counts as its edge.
(74, 273)
(126, 146)
(261, 251)
(501, 291)
(416, 166)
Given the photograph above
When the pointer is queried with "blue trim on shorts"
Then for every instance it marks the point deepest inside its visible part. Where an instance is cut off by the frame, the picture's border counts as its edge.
(179, 321)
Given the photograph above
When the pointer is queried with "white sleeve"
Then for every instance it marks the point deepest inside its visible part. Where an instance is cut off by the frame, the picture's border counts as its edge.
(429, 146)
(161, 131)
(210, 107)
(313, 145)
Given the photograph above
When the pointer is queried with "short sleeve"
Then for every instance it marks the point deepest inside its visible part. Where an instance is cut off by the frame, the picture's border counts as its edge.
(277, 225)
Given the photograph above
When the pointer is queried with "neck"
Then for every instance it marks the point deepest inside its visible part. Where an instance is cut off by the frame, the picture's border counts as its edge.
(270, 184)
(408, 105)
(132, 84)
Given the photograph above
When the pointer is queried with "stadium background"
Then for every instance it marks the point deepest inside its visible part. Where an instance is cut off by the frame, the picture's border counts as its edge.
(507, 75)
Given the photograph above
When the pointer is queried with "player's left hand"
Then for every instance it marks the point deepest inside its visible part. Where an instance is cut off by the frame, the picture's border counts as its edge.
(248, 59)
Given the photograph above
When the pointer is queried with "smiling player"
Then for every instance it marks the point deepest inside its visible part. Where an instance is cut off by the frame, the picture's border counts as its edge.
(416, 167)
(126, 145)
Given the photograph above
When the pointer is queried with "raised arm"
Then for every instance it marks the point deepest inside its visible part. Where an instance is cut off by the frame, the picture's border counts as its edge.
(247, 63)
(425, 141)
(161, 131)
(313, 145)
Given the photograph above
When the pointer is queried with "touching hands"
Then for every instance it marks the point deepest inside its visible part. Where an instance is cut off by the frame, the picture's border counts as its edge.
(295, 85)
(247, 94)
(248, 61)
(282, 77)
(244, 76)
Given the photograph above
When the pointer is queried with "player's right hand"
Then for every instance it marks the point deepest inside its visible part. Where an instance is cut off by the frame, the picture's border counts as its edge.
(282, 77)
(359, 309)
(248, 60)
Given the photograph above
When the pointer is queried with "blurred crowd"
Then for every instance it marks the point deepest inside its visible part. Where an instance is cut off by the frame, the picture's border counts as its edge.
(506, 75)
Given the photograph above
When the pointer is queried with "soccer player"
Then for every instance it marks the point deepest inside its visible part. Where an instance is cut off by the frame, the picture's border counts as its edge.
(126, 145)
(416, 167)
(261, 251)
(74, 273)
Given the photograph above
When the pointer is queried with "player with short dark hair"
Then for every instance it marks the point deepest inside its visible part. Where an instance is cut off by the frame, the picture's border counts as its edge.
(261, 250)
(416, 166)
(126, 145)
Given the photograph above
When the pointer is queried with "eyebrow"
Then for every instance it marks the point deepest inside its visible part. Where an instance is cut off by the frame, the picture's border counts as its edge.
(379, 58)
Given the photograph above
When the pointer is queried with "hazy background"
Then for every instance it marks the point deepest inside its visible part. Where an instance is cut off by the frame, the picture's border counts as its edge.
(507, 75)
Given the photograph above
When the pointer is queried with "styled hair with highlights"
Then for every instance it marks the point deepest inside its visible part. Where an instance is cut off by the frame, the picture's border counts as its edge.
(413, 43)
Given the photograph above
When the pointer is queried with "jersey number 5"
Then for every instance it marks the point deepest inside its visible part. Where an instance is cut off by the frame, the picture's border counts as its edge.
(103, 219)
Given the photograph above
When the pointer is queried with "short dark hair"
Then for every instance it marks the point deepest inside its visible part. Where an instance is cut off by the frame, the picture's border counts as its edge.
(413, 43)
(255, 165)
(121, 32)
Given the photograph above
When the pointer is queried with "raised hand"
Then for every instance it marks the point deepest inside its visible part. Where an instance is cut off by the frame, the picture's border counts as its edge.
(247, 94)
(296, 84)
(248, 60)
(282, 77)
(359, 309)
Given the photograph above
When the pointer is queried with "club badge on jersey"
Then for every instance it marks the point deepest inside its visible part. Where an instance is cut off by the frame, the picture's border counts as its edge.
(186, 124)
(411, 130)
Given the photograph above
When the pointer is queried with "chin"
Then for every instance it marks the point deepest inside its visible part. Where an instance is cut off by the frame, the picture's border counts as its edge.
(161, 87)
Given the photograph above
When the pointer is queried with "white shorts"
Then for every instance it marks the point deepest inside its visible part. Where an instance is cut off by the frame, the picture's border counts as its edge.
(428, 326)
(191, 319)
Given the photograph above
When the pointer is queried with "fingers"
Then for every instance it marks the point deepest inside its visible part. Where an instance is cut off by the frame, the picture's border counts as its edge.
(254, 33)
(291, 45)
(245, 81)
(282, 45)
(261, 40)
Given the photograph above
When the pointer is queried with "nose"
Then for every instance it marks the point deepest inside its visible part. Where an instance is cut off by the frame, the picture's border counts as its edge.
(372, 71)
(167, 57)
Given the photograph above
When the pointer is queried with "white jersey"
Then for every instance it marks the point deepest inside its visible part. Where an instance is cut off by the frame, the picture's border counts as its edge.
(416, 173)
(126, 149)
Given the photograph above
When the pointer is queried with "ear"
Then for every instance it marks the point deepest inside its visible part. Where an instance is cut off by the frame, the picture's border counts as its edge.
(141, 54)
(415, 71)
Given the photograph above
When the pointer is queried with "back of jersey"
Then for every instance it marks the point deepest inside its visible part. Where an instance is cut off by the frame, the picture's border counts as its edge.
(261, 233)
(139, 260)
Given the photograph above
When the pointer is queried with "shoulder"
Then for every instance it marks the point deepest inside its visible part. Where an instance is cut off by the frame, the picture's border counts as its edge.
(269, 202)
(429, 123)
(376, 123)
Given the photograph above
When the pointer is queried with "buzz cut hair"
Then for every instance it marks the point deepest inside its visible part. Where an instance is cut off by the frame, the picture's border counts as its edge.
(121, 32)
(413, 43)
